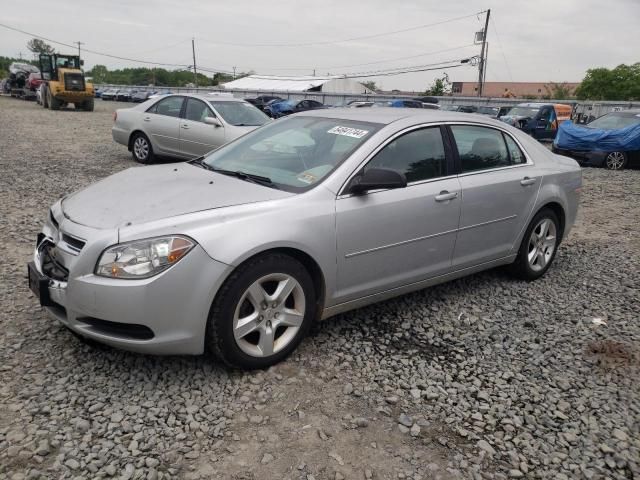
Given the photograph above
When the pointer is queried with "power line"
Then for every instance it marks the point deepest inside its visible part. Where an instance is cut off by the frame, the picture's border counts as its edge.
(117, 57)
(380, 73)
(495, 30)
(333, 42)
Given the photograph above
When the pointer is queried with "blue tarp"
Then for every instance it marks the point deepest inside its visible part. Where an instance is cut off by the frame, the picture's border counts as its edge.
(574, 137)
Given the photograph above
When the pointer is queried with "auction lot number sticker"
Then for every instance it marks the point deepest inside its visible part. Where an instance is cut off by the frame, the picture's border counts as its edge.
(348, 131)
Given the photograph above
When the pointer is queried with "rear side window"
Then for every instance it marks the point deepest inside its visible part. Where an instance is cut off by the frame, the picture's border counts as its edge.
(515, 154)
(169, 106)
(197, 110)
(419, 155)
(480, 148)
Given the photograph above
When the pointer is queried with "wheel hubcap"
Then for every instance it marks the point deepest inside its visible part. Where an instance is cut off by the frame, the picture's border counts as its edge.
(141, 148)
(615, 160)
(542, 244)
(269, 315)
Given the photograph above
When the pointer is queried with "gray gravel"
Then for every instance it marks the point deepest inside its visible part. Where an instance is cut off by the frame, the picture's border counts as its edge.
(484, 377)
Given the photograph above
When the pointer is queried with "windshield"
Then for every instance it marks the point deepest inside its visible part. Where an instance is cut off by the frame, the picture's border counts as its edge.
(523, 111)
(294, 153)
(611, 121)
(488, 110)
(240, 113)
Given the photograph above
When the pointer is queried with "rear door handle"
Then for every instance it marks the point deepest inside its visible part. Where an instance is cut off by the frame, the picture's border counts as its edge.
(526, 181)
(445, 196)
(185, 126)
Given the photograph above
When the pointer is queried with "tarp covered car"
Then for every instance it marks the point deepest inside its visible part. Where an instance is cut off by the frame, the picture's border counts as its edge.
(611, 141)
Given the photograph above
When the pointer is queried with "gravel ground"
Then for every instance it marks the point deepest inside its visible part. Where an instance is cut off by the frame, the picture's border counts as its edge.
(484, 377)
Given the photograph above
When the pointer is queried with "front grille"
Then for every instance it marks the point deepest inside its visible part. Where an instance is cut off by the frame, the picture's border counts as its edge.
(74, 82)
(74, 243)
(51, 266)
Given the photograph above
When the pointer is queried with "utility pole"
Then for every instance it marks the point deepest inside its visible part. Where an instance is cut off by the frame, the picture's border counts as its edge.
(79, 43)
(20, 55)
(234, 73)
(482, 53)
(484, 68)
(195, 72)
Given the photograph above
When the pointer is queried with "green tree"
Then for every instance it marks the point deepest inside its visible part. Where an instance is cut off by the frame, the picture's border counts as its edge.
(439, 87)
(620, 83)
(371, 85)
(39, 46)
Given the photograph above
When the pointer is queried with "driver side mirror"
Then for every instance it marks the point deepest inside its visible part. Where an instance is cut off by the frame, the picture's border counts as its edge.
(377, 178)
(212, 121)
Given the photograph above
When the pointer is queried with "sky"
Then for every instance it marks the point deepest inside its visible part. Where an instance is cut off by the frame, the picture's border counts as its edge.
(538, 40)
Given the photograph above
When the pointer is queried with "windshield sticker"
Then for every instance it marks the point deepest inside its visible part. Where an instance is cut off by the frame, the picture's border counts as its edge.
(348, 131)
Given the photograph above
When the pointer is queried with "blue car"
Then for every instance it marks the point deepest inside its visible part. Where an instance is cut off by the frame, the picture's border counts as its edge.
(280, 108)
(611, 141)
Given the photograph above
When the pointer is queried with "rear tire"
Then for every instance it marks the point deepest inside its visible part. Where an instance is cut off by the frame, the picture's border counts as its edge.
(54, 103)
(88, 105)
(262, 312)
(615, 161)
(45, 97)
(539, 246)
(141, 148)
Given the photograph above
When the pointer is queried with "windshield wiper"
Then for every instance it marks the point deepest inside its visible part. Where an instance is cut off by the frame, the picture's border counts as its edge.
(259, 179)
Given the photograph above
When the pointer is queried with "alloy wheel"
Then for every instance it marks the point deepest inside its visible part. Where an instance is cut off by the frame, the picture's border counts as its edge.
(615, 161)
(542, 244)
(141, 148)
(269, 315)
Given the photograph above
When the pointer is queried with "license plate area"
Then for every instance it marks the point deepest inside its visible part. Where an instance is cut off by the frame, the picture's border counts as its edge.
(39, 285)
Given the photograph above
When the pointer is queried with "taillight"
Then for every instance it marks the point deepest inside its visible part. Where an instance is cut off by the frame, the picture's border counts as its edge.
(115, 116)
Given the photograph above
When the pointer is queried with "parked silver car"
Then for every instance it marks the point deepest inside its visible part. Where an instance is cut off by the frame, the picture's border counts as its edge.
(183, 126)
(241, 251)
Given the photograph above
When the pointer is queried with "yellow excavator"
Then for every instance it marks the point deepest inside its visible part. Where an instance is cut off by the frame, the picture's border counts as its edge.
(64, 82)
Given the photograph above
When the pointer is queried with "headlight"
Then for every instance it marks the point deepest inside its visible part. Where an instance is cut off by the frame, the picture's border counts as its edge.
(142, 258)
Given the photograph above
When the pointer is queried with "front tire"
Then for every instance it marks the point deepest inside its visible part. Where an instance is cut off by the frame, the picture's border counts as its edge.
(262, 312)
(54, 103)
(141, 148)
(615, 161)
(539, 246)
(88, 105)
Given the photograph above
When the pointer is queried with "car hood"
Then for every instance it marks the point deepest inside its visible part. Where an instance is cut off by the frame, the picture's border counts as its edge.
(144, 194)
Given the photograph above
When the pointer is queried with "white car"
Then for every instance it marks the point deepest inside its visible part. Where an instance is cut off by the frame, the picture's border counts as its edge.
(183, 126)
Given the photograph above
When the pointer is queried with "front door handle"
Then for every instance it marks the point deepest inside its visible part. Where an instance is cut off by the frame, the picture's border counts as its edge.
(147, 119)
(445, 196)
(526, 181)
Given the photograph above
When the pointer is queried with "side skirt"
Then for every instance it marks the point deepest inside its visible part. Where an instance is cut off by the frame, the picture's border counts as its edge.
(412, 287)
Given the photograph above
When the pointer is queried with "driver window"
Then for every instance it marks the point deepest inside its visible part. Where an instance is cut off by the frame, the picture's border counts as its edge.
(197, 110)
(419, 155)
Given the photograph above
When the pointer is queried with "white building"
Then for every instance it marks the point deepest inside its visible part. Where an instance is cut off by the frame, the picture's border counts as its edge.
(297, 84)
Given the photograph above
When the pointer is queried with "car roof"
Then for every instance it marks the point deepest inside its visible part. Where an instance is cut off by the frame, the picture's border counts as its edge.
(388, 115)
(208, 97)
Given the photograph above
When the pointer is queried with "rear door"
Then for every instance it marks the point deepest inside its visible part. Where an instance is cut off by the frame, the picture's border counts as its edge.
(499, 188)
(161, 122)
(389, 238)
(196, 137)
(544, 123)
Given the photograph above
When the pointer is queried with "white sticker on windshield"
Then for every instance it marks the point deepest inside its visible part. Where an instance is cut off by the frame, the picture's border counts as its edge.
(348, 131)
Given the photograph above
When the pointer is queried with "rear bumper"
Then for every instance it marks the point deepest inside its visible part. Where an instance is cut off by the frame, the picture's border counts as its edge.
(120, 135)
(587, 158)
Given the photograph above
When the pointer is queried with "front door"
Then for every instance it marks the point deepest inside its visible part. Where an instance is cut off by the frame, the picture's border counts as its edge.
(544, 123)
(499, 190)
(390, 238)
(161, 122)
(196, 137)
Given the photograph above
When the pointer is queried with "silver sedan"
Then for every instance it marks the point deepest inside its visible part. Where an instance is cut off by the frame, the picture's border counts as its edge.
(183, 126)
(239, 252)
